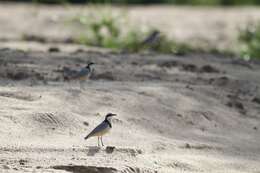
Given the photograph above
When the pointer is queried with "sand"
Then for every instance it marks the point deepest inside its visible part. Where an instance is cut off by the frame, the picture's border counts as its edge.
(192, 113)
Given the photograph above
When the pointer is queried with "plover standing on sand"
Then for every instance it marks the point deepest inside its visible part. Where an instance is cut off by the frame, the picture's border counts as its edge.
(102, 129)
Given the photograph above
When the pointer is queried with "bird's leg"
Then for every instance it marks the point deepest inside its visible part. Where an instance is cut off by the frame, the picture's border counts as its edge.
(88, 80)
(101, 141)
(81, 84)
(98, 142)
(68, 83)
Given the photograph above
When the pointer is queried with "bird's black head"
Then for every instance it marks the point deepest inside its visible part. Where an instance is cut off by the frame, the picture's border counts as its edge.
(109, 116)
(89, 64)
(155, 32)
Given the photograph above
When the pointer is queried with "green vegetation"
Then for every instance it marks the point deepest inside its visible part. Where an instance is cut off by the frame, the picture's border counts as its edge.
(109, 30)
(102, 29)
(250, 39)
(112, 30)
(178, 2)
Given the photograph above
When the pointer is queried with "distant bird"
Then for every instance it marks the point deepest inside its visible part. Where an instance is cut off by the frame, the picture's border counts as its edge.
(82, 75)
(152, 39)
(102, 128)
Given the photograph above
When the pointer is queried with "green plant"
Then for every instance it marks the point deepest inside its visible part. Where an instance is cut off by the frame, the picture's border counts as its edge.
(102, 29)
(250, 41)
(110, 30)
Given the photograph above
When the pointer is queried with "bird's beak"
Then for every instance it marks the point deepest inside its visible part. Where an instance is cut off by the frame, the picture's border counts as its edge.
(114, 115)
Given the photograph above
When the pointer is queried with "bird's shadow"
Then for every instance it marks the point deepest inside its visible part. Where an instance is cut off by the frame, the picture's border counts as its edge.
(93, 150)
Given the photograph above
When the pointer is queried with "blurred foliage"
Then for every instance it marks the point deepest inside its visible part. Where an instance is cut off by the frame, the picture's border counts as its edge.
(250, 39)
(179, 2)
(109, 30)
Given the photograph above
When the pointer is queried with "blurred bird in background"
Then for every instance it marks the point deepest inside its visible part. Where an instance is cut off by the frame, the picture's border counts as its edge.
(152, 39)
(80, 75)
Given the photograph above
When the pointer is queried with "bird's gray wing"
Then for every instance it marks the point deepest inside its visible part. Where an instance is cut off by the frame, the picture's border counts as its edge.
(99, 128)
(151, 38)
(83, 72)
(69, 73)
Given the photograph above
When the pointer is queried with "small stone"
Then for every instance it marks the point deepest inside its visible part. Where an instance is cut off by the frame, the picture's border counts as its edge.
(139, 151)
(86, 123)
(179, 115)
(22, 161)
(110, 149)
(54, 49)
(187, 146)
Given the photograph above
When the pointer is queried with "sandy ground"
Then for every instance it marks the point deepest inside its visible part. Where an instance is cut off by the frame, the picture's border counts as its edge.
(194, 113)
(191, 113)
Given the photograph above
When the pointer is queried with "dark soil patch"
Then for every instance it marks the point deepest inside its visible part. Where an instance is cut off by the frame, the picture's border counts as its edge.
(208, 69)
(85, 169)
(169, 64)
(189, 67)
(54, 49)
(256, 100)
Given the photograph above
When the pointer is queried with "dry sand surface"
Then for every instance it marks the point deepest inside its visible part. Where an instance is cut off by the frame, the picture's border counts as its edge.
(194, 113)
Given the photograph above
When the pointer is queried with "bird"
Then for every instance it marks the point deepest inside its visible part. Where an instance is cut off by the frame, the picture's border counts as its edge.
(102, 129)
(82, 75)
(152, 39)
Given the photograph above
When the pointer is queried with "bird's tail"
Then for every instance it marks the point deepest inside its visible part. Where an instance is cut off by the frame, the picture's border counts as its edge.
(86, 137)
